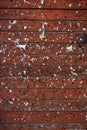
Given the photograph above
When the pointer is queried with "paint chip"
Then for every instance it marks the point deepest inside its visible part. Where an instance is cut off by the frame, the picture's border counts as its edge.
(21, 46)
(70, 48)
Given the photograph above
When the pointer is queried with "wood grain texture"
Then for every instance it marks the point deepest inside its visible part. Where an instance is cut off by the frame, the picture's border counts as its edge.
(43, 65)
(43, 14)
(36, 48)
(46, 4)
(40, 94)
(29, 117)
(35, 60)
(59, 37)
(43, 83)
(44, 105)
(32, 25)
(42, 71)
(44, 126)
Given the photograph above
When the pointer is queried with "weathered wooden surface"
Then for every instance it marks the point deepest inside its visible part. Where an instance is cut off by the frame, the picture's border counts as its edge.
(44, 105)
(44, 94)
(29, 117)
(42, 82)
(43, 65)
(43, 14)
(67, 4)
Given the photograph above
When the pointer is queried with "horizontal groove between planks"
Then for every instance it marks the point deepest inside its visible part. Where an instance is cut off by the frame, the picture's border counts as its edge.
(44, 66)
(42, 8)
(55, 117)
(44, 76)
(44, 54)
(60, 88)
(9, 77)
(44, 94)
(65, 88)
(52, 66)
(45, 20)
(9, 30)
(80, 100)
(50, 111)
(44, 123)
(39, 105)
(46, 4)
(8, 8)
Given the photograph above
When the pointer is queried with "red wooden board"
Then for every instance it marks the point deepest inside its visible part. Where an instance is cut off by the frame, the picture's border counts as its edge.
(43, 65)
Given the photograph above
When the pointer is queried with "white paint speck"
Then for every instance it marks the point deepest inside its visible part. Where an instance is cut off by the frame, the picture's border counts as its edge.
(14, 22)
(81, 39)
(70, 5)
(85, 95)
(26, 39)
(54, 1)
(25, 27)
(17, 41)
(13, 99)
(10, 102)
(86, 117)
(74, 73)
(78, 24)
(21, 46)
(9, 26)
(71, 68)
(22, 14)
(9, 39)
(55, 75)
(10, 91)
(79, 4)
(42, 2)
(81, 82)
(26, 103)
(26, 1)
(1, 51)
(37, 78)
(24, 71)
(70, 24)
(42, 36)
(84, 29)
(59, 68)
(77, 12)
(70, 48)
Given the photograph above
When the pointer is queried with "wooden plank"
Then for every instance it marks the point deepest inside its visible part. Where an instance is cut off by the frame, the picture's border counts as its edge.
(46, 4)
(47, 59)
(59, 128)
(44, 126)
(42, 48)
(43, 14)
(15, 127)
(42, 71)
(29, 117)
(59, 37)
(16, 59)
(43, 83)
(43, 105)
(40, 94)
(43, 65)
(31, 25)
